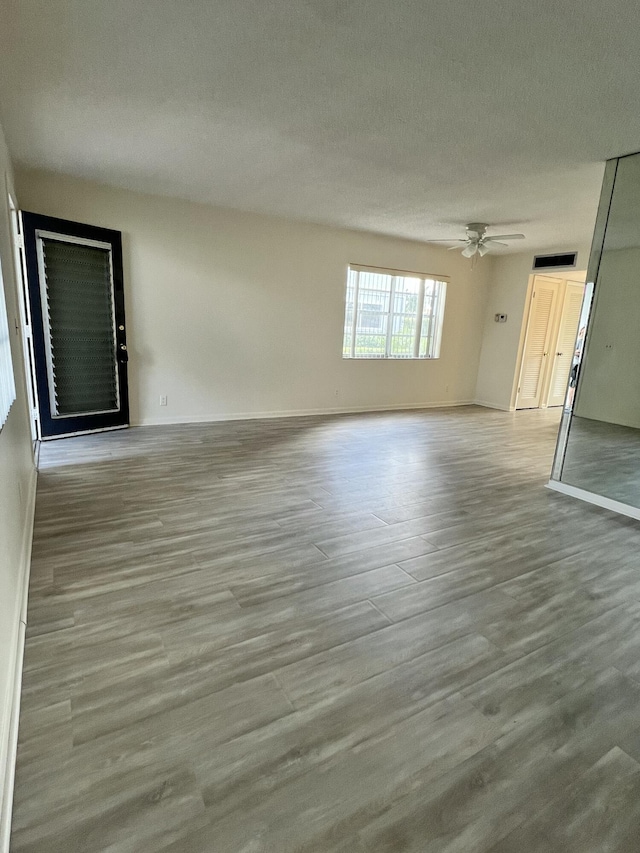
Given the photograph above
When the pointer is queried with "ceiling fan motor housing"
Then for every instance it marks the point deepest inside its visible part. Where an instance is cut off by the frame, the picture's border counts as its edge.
(478, 228)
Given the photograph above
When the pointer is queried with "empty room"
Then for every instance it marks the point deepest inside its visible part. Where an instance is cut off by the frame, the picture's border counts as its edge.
(319, 427)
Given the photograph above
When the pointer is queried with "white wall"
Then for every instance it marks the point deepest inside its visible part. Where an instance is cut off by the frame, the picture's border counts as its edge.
(17, 493)
(608, 387)
(508, 293)
(235, 314)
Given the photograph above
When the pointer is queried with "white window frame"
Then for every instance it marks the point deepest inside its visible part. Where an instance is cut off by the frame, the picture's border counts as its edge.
(436, 317)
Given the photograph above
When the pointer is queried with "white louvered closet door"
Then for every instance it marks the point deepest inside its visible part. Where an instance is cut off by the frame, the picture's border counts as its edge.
(538, 341)
(566, 343)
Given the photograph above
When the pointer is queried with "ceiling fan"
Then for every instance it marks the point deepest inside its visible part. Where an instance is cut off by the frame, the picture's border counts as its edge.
(477, 241)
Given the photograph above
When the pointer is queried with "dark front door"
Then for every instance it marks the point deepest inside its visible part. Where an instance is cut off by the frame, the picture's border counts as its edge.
(76, 298)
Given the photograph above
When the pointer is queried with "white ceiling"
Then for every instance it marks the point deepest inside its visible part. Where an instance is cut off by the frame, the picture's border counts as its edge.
(404, 117)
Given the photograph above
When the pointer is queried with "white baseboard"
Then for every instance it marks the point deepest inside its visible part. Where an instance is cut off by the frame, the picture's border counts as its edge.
(299, 413)
(486, 405)
(598, 500)
(12, 712)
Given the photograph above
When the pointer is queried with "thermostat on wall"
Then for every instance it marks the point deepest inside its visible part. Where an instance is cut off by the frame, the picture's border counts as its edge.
(500, 318)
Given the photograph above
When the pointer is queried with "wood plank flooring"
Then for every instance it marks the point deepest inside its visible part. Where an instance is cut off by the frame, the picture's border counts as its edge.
(349, 634)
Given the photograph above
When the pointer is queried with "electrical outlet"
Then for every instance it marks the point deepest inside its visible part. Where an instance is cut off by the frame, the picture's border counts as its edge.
(163, 399)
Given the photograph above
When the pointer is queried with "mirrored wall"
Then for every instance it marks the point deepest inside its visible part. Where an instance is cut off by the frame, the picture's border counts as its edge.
(598, 454)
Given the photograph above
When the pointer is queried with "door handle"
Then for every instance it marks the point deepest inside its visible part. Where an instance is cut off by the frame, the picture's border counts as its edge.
(559, 353)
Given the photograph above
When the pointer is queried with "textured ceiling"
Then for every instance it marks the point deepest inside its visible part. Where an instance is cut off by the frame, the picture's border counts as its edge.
(404, 117)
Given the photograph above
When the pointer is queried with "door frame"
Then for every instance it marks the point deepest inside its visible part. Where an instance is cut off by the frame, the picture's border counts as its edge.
(33, 226)
(24, 314)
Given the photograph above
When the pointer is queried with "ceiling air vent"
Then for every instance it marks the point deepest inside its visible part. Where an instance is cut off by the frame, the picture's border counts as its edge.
(566, 261)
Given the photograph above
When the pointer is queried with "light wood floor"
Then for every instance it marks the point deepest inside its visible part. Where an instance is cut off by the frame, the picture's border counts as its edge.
(358, 633)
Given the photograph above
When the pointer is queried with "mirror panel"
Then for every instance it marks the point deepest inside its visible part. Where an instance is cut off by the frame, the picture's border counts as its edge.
(599, 442)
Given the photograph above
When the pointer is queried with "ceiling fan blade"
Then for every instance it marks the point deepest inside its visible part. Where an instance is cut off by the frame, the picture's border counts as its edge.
(470, 250)
(491, 242)
(449, 240)
(455, 248)
(506, 237)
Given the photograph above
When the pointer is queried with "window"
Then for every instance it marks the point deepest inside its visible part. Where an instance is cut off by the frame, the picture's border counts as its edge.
(392, 314)
(7, 387)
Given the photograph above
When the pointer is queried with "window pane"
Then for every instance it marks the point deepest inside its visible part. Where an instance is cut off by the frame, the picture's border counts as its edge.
(7, 385)
(401, 346)
(371, 321)
(432, 317)
(406, 295)
(425, 340)
(370, 345)
(373, 314)
(351, 285)
(403, 335)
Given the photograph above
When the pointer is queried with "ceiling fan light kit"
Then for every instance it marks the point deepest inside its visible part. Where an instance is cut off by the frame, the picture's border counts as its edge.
(477, 242)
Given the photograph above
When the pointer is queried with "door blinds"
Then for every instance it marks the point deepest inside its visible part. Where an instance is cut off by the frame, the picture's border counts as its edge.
(79, 314)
